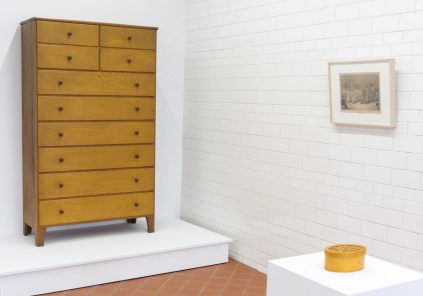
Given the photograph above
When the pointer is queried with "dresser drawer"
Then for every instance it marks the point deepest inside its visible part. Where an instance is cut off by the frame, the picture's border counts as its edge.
(131, 60)
(58, 185)
(67, 57)
(94, 133)
(56, 108)
(98, 157)
(127, 37)
(67, 33)
(95, 83)
(95, 208)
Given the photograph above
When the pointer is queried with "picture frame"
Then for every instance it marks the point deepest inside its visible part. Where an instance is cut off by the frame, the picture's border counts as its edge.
(363, 93)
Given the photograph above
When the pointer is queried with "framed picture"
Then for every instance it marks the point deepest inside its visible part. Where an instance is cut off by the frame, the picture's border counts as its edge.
(363, 93)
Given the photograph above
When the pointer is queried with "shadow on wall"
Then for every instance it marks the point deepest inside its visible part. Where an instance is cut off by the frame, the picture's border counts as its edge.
(10, 135)
(94, 231)
(163, 125)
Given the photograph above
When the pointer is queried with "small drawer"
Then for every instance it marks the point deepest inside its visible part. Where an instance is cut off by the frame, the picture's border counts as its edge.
(94, 133)
(55, 108)
(59, 185)
(95, 208)
(127, 37)
(63, 159)
(67, 57)
(131, 60)
(58, 82)
(67, 33)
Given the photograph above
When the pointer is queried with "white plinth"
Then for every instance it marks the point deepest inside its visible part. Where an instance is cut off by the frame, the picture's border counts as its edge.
(305, 276)
(84, 257)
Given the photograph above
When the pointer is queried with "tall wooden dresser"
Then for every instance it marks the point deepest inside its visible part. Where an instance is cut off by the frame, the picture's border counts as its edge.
(88, 123)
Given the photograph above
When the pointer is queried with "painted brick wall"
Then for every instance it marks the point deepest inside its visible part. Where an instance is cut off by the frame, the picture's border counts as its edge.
(262, 163)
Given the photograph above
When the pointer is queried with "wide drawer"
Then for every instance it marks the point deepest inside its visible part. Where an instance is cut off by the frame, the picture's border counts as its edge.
(131, 60)
(95, 208)
(68, 57)
(94, 133)
(55, 108)
(97, 157)
(127, 37)
(58, 185)
(96, 83)
(67, 33)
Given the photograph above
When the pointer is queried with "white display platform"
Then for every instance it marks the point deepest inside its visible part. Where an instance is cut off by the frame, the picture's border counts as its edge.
(90, 256)
(305, 276)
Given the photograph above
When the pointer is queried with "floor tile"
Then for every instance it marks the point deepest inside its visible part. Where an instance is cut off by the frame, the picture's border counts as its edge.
(143, 293)
(80, 292)
(229, 279)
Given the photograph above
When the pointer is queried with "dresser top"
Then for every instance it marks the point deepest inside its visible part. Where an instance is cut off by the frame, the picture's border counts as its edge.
(87, 22)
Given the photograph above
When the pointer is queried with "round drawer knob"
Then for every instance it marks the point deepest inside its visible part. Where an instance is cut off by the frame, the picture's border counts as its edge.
(60, 135)
(137, 85)
(137, 156)
(69, 58)
(61, 159)
(136, 133)
(129, 38)
(60, 82)
(61, 212)
(129, 61)
(137, 109)
(60, 109)
(136, 180)
(69, 34)
(136, 204)
(61, 185)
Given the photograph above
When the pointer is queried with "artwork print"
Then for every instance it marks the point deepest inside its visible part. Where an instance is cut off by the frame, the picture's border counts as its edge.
(360, 92)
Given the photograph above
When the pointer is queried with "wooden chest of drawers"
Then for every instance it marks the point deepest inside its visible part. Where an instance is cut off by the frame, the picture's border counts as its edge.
(88, 123)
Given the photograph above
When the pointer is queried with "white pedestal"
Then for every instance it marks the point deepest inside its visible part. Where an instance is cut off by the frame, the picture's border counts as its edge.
(90, 256)
(306, 276)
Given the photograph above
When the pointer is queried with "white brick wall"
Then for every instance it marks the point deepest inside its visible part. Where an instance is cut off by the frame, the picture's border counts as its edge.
(263, 164)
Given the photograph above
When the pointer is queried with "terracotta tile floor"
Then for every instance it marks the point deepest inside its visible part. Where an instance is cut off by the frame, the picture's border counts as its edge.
(232, 278)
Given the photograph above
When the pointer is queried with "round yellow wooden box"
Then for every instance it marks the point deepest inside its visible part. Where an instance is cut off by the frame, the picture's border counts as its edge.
(345, 258)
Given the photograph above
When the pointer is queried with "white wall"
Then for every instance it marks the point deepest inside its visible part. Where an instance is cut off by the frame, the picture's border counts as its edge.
(263, 164)
(168, 15)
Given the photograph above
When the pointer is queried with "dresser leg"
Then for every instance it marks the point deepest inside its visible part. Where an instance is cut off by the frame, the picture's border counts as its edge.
(26, 229)
(150, 223)
(40, 234)
(132, 221)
